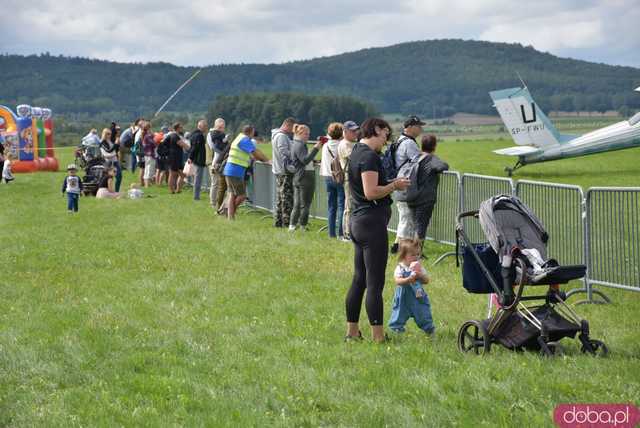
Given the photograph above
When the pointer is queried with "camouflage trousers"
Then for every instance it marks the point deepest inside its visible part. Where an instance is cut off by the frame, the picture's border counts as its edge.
(284, 200)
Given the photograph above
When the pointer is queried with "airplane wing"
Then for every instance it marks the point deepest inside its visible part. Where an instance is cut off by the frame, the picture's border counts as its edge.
(517, 151)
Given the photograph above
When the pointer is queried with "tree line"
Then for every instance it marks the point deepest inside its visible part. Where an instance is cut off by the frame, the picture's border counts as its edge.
(267, 110)
(432, 78)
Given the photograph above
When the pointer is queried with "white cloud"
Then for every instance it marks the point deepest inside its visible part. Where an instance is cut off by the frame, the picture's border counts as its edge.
(231, 31)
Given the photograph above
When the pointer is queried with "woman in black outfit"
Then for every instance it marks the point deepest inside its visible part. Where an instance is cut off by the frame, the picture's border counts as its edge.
(371, 210)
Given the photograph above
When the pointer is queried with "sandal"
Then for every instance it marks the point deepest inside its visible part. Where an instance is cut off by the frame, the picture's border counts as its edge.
(386, 339)
(348, 338)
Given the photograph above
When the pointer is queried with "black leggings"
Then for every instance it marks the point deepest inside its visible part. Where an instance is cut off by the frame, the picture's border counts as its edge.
(371, 244)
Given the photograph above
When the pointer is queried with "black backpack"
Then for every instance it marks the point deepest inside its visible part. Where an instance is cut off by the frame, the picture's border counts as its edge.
(389, 159)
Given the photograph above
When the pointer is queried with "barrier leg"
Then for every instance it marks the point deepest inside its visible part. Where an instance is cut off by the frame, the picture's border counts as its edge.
(444, 256)
(588, 289)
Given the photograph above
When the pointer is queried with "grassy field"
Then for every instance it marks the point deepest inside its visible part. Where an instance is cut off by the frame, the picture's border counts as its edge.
(155, 312)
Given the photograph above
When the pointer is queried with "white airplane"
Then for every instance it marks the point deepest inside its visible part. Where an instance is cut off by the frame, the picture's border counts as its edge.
(539, 141)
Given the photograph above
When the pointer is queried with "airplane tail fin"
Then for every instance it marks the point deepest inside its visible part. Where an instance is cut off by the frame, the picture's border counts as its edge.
(524, 120)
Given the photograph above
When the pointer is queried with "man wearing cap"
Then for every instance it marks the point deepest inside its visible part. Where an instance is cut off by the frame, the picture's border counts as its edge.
(349, 136)
(407, 149)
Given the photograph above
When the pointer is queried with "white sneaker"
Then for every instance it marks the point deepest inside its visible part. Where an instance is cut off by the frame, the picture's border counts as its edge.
(343, 239)
(292, 228)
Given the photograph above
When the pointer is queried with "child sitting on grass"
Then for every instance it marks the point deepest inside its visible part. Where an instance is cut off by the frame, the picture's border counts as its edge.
(410, 300)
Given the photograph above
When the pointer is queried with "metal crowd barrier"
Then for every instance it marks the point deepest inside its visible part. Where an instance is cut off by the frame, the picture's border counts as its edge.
(603, 232)
(394, 221)
(560, 207)
(320, 205)
(263, 186)
(475, 189)
(613, 238)
(442, 227)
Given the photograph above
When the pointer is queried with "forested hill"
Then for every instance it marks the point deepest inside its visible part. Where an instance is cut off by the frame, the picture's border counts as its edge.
(448, 75)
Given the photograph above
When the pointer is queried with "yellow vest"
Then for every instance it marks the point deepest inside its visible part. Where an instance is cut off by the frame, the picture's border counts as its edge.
(237, 156)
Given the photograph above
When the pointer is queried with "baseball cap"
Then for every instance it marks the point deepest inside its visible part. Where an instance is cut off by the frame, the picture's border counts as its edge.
(413, 121)
(72, 166)
(350, 125)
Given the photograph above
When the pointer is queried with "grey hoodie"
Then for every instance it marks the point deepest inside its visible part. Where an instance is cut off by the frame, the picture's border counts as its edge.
(301, 157)
(281, 162)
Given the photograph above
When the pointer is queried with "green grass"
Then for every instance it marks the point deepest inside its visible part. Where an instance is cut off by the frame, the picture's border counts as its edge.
(619, 168)
(155, 312)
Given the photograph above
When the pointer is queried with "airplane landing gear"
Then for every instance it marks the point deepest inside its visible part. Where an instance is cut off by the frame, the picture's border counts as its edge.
(510, 170)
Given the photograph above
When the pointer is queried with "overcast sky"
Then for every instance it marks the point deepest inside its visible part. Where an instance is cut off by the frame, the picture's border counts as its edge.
(203, 32)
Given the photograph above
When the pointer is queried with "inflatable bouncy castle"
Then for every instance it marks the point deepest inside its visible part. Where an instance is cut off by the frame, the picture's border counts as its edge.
(28, 137)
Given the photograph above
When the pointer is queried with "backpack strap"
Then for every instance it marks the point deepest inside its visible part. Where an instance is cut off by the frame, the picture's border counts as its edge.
(401, 140)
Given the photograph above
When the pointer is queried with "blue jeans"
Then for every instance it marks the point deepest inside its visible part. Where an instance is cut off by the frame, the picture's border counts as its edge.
(197, 181)
(72, 201)
(134, 162)
(118, 167)
(406, 305)
(335, 193)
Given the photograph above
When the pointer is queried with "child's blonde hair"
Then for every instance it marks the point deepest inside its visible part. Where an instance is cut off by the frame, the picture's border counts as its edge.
(407, 247)
(133, 186)
(299, 128)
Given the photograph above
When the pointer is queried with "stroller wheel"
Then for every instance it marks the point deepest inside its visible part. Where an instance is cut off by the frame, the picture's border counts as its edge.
(473, 336)
(553, 349)
(598, 348)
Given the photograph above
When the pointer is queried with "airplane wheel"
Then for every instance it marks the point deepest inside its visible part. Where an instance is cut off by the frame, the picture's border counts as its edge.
(509, 171)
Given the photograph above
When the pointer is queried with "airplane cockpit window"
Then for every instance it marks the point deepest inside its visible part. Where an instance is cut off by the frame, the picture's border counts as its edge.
(634, 119)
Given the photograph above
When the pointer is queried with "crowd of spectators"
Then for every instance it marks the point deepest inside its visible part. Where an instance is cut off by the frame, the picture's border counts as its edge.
(359, 192)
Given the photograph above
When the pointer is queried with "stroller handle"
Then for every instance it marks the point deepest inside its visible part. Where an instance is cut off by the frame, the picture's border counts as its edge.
(462, 215)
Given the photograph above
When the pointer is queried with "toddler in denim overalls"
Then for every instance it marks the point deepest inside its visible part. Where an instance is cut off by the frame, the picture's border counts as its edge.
(410, 299)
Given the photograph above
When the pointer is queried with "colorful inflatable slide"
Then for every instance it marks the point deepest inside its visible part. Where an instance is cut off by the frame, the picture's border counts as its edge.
(28, 138)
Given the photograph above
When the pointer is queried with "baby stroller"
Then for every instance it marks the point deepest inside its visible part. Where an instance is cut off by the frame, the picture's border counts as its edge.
(87, 155)
(91, 180)
(89, 158)
(514, 258)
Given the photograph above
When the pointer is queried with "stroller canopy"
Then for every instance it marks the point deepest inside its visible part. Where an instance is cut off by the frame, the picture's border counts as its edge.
(508, 223)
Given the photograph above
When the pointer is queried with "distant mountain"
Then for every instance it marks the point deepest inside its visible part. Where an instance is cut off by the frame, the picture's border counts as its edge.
(445, 76)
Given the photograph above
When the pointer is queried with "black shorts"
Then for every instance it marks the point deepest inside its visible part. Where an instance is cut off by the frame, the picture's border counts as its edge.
(176, 163)
(162, 163)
